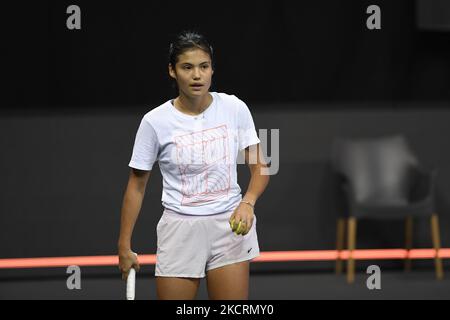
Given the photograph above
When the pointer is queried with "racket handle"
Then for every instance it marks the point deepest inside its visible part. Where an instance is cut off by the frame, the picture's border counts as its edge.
(131, 282)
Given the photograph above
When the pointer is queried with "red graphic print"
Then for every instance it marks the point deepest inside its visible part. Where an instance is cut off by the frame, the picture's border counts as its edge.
(204, 163)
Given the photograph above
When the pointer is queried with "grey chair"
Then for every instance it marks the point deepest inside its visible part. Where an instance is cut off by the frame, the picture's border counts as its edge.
(380, 178)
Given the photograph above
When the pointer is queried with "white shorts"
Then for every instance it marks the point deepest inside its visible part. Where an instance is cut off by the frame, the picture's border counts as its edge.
(188, 245)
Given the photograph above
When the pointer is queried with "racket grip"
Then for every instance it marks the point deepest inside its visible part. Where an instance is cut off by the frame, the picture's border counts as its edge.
(131, 282)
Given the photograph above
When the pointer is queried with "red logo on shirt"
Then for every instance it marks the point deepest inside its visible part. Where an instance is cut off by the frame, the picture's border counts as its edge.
(204, 163)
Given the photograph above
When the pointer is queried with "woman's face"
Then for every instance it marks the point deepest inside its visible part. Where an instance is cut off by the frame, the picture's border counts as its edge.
(193, 72)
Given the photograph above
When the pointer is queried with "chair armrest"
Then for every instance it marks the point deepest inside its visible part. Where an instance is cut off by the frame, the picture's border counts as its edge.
(423, 185)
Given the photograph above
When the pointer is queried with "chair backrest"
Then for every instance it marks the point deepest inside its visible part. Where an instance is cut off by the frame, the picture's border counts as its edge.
(377, 170)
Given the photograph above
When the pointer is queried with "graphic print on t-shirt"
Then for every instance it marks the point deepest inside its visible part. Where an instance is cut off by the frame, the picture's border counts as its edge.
(204, 164)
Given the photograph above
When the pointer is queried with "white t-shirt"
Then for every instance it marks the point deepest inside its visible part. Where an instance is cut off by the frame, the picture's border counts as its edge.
(197, 155)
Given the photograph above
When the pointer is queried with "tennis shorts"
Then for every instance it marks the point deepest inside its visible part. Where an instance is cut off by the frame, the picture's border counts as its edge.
(188, 245)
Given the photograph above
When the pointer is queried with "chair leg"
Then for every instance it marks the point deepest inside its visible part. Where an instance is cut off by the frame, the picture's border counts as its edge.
(351, 246)
(408, 241)
(437, 245)
(340, 236)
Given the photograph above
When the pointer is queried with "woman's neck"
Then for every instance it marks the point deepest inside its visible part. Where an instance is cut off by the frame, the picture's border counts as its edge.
(193, 106)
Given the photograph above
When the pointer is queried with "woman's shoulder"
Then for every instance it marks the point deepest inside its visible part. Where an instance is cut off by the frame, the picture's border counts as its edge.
(229, 98)
(157, 113)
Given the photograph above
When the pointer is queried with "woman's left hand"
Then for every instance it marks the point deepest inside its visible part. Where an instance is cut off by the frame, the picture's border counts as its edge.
(241, 220)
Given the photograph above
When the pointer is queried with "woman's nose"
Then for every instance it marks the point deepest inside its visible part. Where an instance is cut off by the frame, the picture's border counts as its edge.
(196, 73)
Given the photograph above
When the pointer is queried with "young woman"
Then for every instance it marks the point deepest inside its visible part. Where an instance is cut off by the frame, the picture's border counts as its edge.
(207, 228)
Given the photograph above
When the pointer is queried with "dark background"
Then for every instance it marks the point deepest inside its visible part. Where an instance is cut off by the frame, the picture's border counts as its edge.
(72, 101)
(266, 51)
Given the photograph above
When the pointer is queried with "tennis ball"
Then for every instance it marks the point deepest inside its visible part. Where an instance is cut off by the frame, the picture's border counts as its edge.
(232, 224)
(238, 230)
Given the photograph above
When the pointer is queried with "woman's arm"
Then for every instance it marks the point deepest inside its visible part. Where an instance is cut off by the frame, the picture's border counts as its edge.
(131, 206)
(258, 181)
(257, 185)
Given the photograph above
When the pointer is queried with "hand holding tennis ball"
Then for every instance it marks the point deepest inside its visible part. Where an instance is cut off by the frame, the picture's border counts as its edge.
(241, 220)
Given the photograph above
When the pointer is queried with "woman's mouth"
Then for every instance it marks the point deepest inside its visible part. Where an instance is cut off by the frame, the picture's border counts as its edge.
(196, 86)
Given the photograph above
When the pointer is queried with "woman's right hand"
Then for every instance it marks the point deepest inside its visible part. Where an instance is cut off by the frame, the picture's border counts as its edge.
(127, 260)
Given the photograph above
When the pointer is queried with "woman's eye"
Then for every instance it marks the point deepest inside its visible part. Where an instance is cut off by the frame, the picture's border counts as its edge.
(186, 67)
(205, 67)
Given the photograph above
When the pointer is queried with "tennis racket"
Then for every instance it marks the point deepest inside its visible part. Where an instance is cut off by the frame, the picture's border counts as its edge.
(131, 283)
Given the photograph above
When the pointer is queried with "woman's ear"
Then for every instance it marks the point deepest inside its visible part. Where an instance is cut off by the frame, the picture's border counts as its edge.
(172, 72)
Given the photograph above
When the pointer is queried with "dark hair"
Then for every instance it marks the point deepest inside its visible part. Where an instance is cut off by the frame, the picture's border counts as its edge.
(187, 40)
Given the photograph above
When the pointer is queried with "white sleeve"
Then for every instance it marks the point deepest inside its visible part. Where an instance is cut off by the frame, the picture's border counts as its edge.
(246, 130)
(146, 146)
